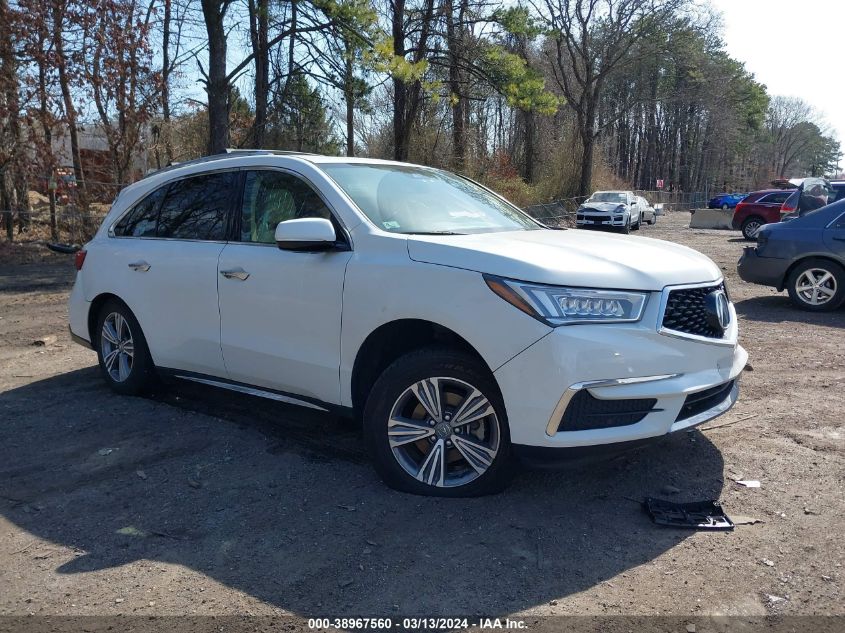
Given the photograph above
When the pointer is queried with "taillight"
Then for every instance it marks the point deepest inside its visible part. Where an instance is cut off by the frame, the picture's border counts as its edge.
(79, 260)
(791, 203)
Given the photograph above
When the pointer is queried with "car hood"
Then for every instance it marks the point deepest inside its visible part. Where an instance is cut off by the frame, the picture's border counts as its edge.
(570, 257)
(606, 207)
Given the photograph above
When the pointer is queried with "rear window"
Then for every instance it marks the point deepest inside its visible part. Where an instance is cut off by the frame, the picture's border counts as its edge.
(197, 208)
(775, 198)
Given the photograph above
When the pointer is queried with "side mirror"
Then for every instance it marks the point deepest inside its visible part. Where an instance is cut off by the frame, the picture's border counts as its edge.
(306, 234)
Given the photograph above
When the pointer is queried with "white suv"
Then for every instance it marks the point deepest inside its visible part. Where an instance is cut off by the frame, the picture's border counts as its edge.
(620, 210)
(460, 331)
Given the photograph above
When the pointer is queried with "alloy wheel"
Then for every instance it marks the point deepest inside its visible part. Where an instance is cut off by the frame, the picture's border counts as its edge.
(752, 228)
(816, 286)
(443, 432)
(117, 346)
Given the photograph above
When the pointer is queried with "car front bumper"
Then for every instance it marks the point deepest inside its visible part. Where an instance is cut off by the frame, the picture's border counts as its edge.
(766, 271)
(622, 363)
(587, 220)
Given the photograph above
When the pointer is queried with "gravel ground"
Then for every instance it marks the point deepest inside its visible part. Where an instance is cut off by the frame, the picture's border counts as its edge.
(197, 501)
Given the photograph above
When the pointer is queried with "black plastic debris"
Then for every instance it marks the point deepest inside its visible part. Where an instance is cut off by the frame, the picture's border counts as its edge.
(699, 515)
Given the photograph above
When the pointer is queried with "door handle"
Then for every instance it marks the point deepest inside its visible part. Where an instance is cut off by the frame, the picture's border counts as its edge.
(235, 273)
(140, 266)
(839, 239)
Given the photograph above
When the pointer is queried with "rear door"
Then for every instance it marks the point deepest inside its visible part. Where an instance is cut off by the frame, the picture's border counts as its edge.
(165, 262)
(834, 237)
(769, 205)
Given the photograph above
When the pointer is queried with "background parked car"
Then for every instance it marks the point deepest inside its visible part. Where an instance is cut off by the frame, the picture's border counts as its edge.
(772, 205)
(806, 256)
(725, 200)
(648, 213)
(758, 208)
(610, 209)
(812, 194)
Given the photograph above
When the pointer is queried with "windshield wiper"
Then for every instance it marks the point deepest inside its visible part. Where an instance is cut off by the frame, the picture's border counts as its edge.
(433, 233)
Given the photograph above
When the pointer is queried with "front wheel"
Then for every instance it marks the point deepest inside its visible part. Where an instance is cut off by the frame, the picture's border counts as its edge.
(122, 351)
(725, 206)
(626, 229)
(817, 285)
(435, 425)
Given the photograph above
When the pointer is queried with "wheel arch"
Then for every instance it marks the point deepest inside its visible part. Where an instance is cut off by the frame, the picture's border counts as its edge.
(801, 260)
(396, 338)
(94, 311)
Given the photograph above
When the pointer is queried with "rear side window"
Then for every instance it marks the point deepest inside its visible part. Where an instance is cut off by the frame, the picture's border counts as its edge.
(776, 198)
(141, 220)
(271, 197)
(197, 208)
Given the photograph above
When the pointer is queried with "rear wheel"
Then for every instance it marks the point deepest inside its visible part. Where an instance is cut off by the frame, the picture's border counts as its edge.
(122, 351)
(751, 226)
(817, 285)
(435, 425)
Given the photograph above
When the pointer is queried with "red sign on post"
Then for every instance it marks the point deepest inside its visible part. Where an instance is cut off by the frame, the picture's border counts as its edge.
(660, 183)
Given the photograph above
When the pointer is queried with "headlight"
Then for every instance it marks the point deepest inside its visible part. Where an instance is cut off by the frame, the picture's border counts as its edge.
(558, 305)
(620, 208)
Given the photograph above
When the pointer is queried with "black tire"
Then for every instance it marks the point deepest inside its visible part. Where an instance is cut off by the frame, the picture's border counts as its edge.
(752, 223)
(817, 267)
(141, 376)
(636, 226)
(388, 393)
(725, 206)
(626, 229)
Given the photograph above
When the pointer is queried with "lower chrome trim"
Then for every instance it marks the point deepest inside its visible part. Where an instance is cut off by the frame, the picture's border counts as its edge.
(567, 396)
(253, 391)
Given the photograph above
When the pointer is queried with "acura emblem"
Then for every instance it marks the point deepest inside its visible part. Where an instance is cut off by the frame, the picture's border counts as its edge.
(718, 310)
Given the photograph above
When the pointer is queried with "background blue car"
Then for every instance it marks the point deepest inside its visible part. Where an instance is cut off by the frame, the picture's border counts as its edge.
(725, 200)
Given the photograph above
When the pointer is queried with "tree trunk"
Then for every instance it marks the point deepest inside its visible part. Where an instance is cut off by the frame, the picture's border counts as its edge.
(400, 89)
(259, 23)
(165, 84)
(9, 102)
(349, 96)
(70, 115)
(453, 38)
(217, 84)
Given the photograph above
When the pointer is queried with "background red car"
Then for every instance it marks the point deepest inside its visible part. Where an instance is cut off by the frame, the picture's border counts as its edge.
(757, 209)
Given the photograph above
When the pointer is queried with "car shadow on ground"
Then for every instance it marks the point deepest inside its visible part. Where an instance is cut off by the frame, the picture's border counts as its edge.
(779, 309)
(280, 503)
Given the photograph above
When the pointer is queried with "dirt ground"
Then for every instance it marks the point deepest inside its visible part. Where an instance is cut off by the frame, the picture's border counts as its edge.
(204, 502)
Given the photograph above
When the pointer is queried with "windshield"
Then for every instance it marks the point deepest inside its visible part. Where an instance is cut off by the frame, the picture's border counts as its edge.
(607, 196)
(408, 199)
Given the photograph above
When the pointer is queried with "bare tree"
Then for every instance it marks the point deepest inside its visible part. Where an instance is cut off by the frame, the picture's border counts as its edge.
(592, 39)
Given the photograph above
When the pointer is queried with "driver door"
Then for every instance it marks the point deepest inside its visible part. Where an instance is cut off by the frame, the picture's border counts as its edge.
(280, 310)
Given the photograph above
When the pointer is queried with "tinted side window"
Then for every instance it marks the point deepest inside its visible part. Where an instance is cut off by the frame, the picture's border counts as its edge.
(141, 220)
(776, 198)
(197, 208)
(271, 197)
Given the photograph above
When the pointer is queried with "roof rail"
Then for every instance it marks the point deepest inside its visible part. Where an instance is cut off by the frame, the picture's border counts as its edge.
(230, 153)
